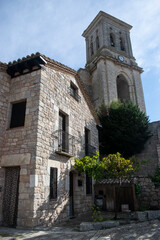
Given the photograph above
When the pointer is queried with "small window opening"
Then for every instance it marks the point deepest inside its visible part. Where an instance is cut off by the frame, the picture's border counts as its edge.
(97, 42)
(122, 45)
(63, 136)
(87, 136)
(88, 184)
(112, 43)
(18, 114)
(92, 51)
(53, 183)
(74, 90)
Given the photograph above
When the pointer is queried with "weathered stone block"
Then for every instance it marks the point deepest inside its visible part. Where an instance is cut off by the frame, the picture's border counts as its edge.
(141, 216)
(15, 159)
(153, 214)
(87, 226)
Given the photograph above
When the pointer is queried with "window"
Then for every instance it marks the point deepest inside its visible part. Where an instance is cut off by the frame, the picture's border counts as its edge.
(73, 90)
(112, 42)
(97, 42)
(88, 184)
(122, 88)
(92, 51)
(66, 142)
(62, 121)
(53, 183)
(89, 149)
(18, 114)
(122, 44)
(87, 133)
(63, 137)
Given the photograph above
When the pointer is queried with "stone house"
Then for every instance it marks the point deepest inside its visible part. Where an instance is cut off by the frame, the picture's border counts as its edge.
(46, 120)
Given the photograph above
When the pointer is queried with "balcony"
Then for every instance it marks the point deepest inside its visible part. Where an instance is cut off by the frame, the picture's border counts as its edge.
(66, 144)
(90, 150)
(73, 92)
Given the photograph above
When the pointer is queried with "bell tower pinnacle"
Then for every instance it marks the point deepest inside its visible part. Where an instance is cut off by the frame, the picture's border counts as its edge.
(111, 70)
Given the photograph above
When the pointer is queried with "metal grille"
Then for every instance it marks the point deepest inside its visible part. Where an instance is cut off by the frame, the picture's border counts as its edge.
(66, 142)
(72, 91)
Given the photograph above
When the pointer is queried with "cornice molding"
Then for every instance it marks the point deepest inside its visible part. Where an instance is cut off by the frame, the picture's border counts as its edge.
(92, 65)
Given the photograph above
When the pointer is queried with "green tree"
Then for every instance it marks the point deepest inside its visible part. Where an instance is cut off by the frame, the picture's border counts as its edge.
(124, 129)
(112, 167)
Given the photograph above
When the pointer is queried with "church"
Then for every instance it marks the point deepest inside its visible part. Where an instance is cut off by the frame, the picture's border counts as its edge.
(48, 117)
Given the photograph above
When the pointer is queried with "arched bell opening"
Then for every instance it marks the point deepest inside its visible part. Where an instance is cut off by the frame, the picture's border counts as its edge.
(122, 89)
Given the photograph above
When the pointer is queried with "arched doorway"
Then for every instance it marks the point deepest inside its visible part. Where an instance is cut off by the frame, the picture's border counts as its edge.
(122, 88)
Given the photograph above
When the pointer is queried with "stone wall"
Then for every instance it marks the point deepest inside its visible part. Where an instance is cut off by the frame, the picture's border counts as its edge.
(19, 144)
(54, 97)
(151, 151)
(103, 80)
(83, 202)
(149, 197)
(4, 91)
(33, 147)
(149, 194)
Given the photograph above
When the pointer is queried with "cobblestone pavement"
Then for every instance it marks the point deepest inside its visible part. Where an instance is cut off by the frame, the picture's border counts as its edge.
(135, 231)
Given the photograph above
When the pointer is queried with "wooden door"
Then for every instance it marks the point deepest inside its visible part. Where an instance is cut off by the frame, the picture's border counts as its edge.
(10, 199)
(126, 197)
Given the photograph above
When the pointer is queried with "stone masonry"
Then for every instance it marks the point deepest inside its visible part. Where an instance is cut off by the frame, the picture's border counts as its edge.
(149, 197)
(33, 147)
(108, 61)
(151, 151)
(56, 99)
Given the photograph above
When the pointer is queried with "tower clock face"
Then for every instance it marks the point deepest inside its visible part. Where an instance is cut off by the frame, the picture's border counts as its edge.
(121, 58)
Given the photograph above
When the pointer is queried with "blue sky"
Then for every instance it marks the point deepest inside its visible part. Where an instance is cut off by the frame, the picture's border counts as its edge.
(54, 28)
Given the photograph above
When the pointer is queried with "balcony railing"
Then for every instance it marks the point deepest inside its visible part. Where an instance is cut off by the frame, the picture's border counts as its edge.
(66, 143)
(74, 94)
(90, 150)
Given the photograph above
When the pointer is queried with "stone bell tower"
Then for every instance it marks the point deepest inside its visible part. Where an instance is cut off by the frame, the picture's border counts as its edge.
(111, 71)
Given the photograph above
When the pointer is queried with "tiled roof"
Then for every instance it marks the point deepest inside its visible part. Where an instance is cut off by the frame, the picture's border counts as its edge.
(19, 60)
(114, 181)
(33, 55)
